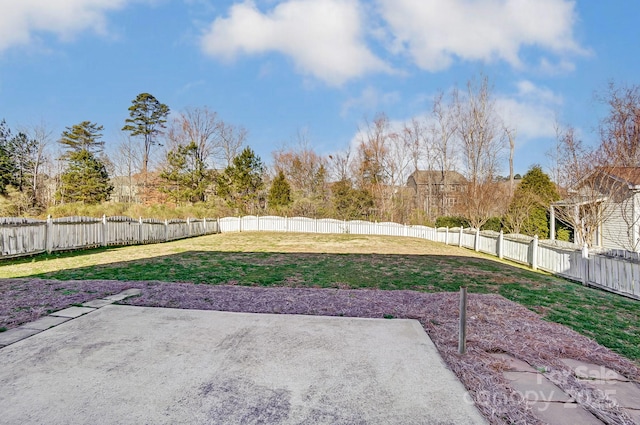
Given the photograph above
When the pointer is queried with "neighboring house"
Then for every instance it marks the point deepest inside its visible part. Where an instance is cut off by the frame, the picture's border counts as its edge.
(437, 192)
(604, 209)
(125, 189)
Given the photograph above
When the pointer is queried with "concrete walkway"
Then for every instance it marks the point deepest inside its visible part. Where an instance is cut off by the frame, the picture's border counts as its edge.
(141, 365)
(552, 405)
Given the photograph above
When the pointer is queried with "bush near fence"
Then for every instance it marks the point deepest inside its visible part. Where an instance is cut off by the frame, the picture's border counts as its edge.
(19, 236)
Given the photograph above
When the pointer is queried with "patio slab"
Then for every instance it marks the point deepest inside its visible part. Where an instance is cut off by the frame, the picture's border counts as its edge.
(132, 365)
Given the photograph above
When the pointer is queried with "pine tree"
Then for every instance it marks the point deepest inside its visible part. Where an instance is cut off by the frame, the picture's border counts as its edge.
(85, 179)
(185, 178)
(83, 136)
(147, 118)
(528, 211)
(7, 163)
(280, 192)
(241, 183)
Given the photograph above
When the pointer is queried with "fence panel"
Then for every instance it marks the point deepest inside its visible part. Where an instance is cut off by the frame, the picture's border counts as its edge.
(301, 225)
(615, 275)
(516, 250)
(154, 231)
(468, 239)
(122, 231)
(359, 227)
(19, 236)
(177, 229)
(422, 232)
(488, 243)
(391, 229)
(330, 225)
(272, 223)
(554, 259)
(75, 232)
(230, 224)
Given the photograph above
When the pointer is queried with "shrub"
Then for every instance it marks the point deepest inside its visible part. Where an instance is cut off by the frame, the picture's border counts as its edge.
(451, 221)
(494, 223)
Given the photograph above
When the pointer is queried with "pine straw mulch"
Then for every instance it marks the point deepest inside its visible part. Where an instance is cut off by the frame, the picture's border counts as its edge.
(495, 325)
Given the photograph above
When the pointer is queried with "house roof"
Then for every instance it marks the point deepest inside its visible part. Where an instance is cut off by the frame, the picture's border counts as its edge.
(628, 175)
(434, 177)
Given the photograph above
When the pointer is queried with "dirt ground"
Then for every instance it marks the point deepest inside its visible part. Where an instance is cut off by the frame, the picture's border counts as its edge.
(495, 325)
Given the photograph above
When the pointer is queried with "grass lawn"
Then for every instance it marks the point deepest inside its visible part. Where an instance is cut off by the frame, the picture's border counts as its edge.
(349, 261)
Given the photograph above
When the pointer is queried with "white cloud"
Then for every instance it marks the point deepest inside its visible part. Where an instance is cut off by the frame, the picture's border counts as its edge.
(532, 111)
(324, 38)
(435, 32)
(370, 100)
(21, 21)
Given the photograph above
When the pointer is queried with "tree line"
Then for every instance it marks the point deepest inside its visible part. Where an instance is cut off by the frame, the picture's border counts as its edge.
(197, 158)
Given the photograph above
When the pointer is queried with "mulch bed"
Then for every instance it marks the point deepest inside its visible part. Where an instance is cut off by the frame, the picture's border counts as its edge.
(495, 325)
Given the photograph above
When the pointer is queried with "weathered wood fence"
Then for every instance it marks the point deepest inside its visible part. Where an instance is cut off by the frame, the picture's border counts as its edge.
(615, 273)
(20, 236)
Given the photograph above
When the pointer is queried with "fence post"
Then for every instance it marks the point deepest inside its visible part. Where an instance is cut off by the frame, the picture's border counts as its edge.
(166, 230)
(104, 230)
(188, 227)
(286, 223)
(446, 235)
(476, 243)
(460, 239)
(239, 224)
(552, 222)
(585, 262)
(140, 230)
(501, 245)
(462, 327)
(406, 230)
(49, 235)
(204, 226)
(258, 220)
(316, 224)
(534, 253)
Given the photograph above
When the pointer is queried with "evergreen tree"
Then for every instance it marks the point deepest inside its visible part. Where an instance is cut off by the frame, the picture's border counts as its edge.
(350, 203)
(241, 183)
(83, 136)
(7, 163)
(185, 178)
(280, 192)
(528, 211)
(147, 118)
(85, 179)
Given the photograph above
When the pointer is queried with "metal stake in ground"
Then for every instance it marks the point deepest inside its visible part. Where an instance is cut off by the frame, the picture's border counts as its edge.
(462, 331)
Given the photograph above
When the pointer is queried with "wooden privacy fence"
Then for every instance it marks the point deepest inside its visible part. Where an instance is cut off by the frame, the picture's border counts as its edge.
(19, 236)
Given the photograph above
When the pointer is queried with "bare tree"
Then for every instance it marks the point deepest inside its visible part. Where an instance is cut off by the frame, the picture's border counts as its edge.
(511, 135)
(41, 135)
(127, 164)
(340, 165)
(587, 202)
(232, 140)
(620, 129)
(306, 171)
(482, 145)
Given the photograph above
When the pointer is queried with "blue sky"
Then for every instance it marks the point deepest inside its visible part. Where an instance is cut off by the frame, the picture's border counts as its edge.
(319, 66)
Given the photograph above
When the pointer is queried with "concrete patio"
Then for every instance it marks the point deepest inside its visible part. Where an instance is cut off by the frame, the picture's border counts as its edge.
(142, 365)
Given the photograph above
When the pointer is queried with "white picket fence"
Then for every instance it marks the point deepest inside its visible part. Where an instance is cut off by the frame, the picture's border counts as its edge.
(19, 236)
(615, 274)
